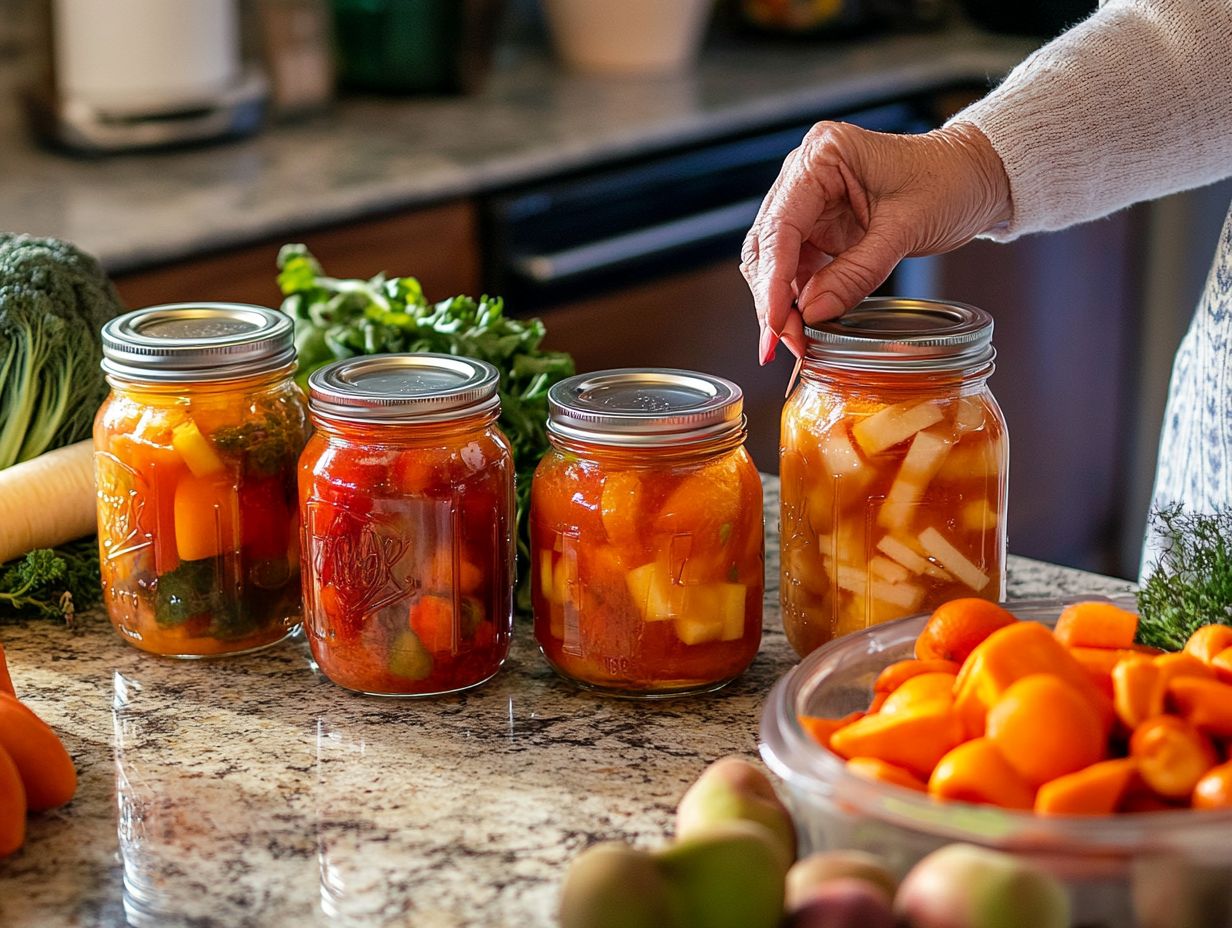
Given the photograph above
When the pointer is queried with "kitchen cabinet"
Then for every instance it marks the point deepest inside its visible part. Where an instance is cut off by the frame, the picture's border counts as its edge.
(438, 244)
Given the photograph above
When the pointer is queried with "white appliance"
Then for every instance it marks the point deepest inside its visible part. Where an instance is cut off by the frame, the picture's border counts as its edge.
(146, 73)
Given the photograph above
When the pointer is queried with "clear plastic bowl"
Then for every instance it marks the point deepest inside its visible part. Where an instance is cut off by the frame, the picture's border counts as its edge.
(1152, 870)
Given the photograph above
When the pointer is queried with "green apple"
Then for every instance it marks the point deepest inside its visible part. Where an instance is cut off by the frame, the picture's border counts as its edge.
(732, 789)
(964, 886)
(816, 870)
(730, 875)
(612, 885)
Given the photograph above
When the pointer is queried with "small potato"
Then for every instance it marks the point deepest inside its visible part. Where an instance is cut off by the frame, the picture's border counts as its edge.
(844, 902)
(821, 869)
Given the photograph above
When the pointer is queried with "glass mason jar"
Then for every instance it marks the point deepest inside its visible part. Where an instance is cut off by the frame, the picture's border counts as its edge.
(406, 498)
(195, 453)
(647, 541)
(894, 458)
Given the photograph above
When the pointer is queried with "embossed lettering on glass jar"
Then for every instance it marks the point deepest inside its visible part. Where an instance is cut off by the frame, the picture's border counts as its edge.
(195, 453)
(894, 460)
(647, 542)
(406, 496)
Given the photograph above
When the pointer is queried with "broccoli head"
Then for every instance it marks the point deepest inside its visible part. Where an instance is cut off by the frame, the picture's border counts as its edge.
(54, 300)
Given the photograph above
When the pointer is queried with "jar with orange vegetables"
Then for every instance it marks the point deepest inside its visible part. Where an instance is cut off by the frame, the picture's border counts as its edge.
(647, 541)
(406, 497)
(195, 452)
(893, 461)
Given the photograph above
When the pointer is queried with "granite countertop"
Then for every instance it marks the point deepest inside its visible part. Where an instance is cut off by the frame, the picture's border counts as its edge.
(532, 121)
(253, 792)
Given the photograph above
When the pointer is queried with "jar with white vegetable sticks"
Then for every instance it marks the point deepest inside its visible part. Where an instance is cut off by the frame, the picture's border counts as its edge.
(894, 463)
(195, 464)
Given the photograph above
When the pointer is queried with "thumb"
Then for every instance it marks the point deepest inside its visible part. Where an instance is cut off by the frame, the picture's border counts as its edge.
(849, 278)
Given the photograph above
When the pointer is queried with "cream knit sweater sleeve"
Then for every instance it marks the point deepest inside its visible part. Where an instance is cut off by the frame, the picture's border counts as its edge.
(1131, 104)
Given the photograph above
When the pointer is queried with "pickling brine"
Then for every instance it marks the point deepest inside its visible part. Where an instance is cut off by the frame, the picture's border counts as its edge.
(893, 461)
(195, 453)
(646, 534)
(406, 495)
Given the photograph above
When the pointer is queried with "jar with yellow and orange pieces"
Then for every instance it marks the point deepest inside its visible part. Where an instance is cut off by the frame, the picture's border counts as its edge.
(195, 453)
(647, 541)
(893, 460)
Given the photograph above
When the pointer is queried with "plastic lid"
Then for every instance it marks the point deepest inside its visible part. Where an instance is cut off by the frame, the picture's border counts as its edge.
(402, 387)
(645, 406)
(189, 342)
(895, 333)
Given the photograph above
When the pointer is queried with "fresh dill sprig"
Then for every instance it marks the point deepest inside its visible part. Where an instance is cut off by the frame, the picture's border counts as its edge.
(1191, 583)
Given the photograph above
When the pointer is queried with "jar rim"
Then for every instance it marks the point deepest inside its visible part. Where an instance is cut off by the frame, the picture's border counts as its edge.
(191, 342)
(904, 334)
(403, 388)
(646, 407)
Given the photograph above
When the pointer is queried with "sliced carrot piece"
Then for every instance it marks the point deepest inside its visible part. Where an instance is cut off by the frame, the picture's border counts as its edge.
(1099, 662)
(1096, 625)
(978, 772)
(47, 771)
(1221, 663)
(1137, 690)
(1205, 704)
(957, 627)
(12, 806)
(1008, 655)
(896, 674)
(1045, 728)
(1095, 790)
(1214, 790)
(821, 729)
(922, 693)
(912, 740)
(1208, 641)
(873, 769)
(1172, 755)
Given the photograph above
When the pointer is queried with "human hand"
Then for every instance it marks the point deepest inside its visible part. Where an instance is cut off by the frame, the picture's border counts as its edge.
(849, 204)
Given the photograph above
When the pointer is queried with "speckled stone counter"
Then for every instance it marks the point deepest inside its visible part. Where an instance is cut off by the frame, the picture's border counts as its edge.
(532, 121)
(253, 792)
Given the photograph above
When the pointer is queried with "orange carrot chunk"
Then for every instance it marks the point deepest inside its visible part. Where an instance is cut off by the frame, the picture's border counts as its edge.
(1095, 790)
(1221, 663)
(1045, 728)
(898, 673)
(926, 692)
(1172, 755)
(1214, 790)
(1096, 625)
(978, 772)
(821, 729)
(1137, 690)
(873, 769)
(1208, 641)
(912, 740)
(12, 806)
(956, 628)
(46, 769)
(1205, 704)
(1099, 663)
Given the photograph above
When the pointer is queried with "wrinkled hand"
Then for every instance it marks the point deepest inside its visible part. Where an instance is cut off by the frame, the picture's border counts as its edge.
(849, 204)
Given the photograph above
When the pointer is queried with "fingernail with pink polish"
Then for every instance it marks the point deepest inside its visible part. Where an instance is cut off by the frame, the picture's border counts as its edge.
(766, 347)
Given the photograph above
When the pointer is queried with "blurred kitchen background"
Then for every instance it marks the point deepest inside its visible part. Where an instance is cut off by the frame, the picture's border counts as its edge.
(597, 162)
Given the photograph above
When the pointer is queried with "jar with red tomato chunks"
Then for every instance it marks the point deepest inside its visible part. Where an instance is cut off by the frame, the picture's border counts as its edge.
(893, 462)
(195, 454)
(647, 541)
(406, 498)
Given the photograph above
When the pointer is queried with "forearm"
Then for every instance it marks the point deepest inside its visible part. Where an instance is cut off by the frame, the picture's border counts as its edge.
(1132, 104)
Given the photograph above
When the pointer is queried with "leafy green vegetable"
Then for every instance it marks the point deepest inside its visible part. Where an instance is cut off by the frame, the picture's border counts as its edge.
(53, 301)
(1191, 584)
(267, 444)
(337, 319)
(52, 584)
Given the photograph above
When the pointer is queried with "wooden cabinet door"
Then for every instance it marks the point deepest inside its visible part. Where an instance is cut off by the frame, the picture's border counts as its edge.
(700, 320)
(439, 245)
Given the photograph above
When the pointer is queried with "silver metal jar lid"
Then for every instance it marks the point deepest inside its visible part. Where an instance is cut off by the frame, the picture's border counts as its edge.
(390, 388)
(896, 333)
(645, 407)
(188, 342)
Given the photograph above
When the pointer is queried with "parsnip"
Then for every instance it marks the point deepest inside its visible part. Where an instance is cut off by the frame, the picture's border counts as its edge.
(47, 500)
